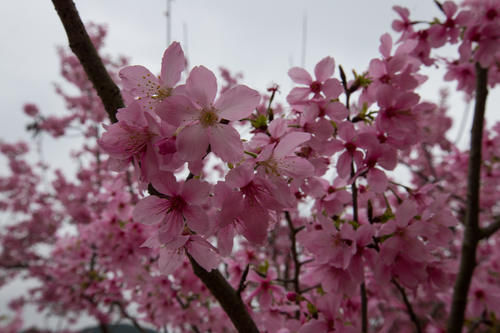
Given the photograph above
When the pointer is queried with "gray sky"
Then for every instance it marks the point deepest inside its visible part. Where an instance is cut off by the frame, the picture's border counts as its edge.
(260, 38)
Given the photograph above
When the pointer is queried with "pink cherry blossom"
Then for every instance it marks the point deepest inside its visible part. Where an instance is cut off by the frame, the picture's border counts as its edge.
(141, 85)
(181, 202)
(200, 117)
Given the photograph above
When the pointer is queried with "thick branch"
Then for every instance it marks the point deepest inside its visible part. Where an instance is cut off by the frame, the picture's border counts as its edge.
(227, 297)
(109, 93)
(472, 233)
(82, 47)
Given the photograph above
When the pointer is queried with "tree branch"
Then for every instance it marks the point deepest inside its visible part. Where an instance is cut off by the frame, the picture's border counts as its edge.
(364, 308)
(472, 233)
(82, 47)
(409, 307)
(129, 317)
(242, 285)
(295, 254)
(227, 297)
(491, 229)
(108, 91)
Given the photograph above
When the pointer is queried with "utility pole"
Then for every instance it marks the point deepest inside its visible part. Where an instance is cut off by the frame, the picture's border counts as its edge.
(169, 22)
(304, 39)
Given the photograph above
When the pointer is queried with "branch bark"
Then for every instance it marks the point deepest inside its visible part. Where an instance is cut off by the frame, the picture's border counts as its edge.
(82, 47)
(409, 307)
(228, 298)
(472, 233)
(490, 229)
(108, 91)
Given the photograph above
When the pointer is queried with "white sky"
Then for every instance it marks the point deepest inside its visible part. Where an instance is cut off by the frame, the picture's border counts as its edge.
(260, 38)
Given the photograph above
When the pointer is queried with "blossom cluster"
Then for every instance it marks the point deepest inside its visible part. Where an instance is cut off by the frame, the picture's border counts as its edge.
(297, 203)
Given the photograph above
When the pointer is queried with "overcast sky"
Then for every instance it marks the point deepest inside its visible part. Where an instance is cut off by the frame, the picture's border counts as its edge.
(261, 39)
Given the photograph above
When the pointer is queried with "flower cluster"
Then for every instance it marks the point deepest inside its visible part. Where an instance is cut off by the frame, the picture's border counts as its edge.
(296, 204)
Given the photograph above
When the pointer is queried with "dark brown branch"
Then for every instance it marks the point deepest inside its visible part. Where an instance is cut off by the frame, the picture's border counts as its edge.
(129, 317)
(409, 307)
(362, 288)
(227, 297)
(364, 308)
(472, 233)
(103, 327)
(20, 265)
(491, 229)
(183, 305)
(108, 91)
(305, 290)
(295, 254)
(295, 257)
(428, 157)
(82, 47)
(242, 285)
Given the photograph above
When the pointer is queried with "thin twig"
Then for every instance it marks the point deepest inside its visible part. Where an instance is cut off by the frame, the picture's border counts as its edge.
(242, 285)
(183, 305)
(364, 308)
(305, 290)
(129, 317)
(490, 229)
(295, 257)
(428, 157)
(295, 254)
(409, 307)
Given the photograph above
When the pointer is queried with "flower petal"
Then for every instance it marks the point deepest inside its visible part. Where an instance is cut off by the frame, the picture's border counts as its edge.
(377, 180)
(172, 65)
(300, 75)
(172, 228)
(196, 219)
(165, 183)
(170, 260)
(177, 109)
(332, 88)
(298, 94)
(225, 142)
(225, 238)
(150, 210)
(237, 103)
(324, 69)
(139, 81)
(192, 142)
(202, 86)
(203, 252)
(195, 191)
(296, 167)
(255, 222)
(289, 142)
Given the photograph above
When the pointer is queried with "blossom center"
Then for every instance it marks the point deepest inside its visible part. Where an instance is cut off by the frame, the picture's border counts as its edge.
(208, 117)
(491, 14)
(162, 93)
(271, 166)
(315, 87)
(177, 203)
(351, 147)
